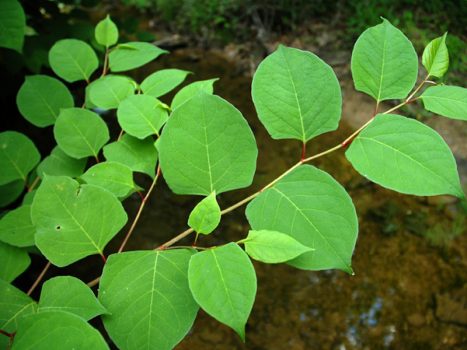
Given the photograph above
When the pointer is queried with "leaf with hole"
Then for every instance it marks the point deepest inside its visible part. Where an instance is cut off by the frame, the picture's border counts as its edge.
(206, 216)
(106, 32)
(163, 81)
(133, 55)
(58, 163)
(445, 100)
(13, 262)
(13, 24)
(16, 227)
(435, 57)
(191, 90)
(107, 92)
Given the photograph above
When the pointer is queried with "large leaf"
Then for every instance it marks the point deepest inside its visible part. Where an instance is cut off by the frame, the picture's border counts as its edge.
(56, 330)
(12, 24)
(58, 163)
(9, 192)
(163, 81)
(106, 32)
(40, 99)
(74, 221)
(207, 146)
(114, 177)
(80, 133)
(405, 155)
(16, 227)
(384, 63)
(448, 101)
(141, 116)
(223, 283)
(107, 92)
(436, 57)
(138, 155)
(206, 216)
(133, 55)
(296, 94)
(192, 90)
(73, 60)
(13, 262)
(314, 209)
(148, 298)
(67, 293)
(18, 156)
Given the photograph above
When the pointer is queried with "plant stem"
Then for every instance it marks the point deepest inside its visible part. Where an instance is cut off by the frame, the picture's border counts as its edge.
(34, 184)
(94, 282)
(106, 62)
(39, 278)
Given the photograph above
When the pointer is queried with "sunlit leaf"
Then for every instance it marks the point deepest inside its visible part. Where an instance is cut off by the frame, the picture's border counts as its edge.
(59, 163)
(106, 32)
(206, 216)
(13, 262)
(107, 92)
(187, 92)
(436, 57)
(16, 227)
(133, 55)
(448, 101)
(112, 176)
(163, 81)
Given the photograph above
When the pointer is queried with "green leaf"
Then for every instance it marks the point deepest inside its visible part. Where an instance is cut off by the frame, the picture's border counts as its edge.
(141, 116)
(296, 94)
(138, 155)
(80, 133)
(58, 163)
(18, 156)
(207, 146)
(13, 261)
(148, 298)
(112, 176)
(67, 293)
(206, 216)
(107, 92)
(436, 57)
(448, 101)
(73, 60)
(133, 55)
(74, 221)
(16, 227)
(192, 90)
(29, 196)
(13, 24)
(56, 330)
(106, 32)
(10, 192)
(223, 283)
(384, 63)
(405, 155)
(161, 82)
(273, 247)
(314, 209)
(40, 99)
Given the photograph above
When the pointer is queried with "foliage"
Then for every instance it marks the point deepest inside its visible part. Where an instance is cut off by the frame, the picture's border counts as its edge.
(202, 145)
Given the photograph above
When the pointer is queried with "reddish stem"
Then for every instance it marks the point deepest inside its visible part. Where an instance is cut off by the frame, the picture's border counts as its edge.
(303, 152)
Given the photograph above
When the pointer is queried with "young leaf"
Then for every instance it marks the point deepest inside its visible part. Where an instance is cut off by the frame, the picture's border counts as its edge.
(115, 177)
(273, 247)
(405, 155)
(107, 92)
(141, 116)
(13, 262)
(161, 82)
(73, 60)
(40, 99)
(74, 221)
(80, 133)
(106, 32)
(138, 155)
(192, 90)
(16, 227)
(207, 146)
(384, 63)
(18, 156)
(223, 283)
(448, 101)
(55, 330)
(148, 298)
(206, 216)
(67, 293)
(436, 57)
(58, 163)
(314, 209)
(133, 55)
(10, 192)
(13, 24)
(296, 94)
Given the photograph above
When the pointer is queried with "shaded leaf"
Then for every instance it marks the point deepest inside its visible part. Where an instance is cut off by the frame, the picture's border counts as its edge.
(133, 55)
(10, 192)
(191, 90)
(16, 227)
(206, 216)
(59, 163)
(13, 24)
(13, 262)
(163, 81)
(448, 101)
(107, 92)
(115, 177)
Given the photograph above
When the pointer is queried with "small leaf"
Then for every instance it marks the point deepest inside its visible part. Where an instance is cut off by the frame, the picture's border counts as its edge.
(73, 60)
(115, 177)
(384, 63)
(138, 155)
(148, 298)
(80, 133)
(436, 57)
(405, 155)
(141, 116)
(448, 101)
(18, 156)
(273, 247)
(58, 163)
(74, 221)
(191, 90)
(106, 32)
(13, 262)
(206, 216)
(13, 24)
(16, 227)
(10, 192)
(40, 99)
(107, 92)
(67, 293)
(133, 55)
(223, 283)
(161, 82)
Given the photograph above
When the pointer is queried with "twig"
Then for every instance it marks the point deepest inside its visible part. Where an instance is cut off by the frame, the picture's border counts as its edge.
(39, 278)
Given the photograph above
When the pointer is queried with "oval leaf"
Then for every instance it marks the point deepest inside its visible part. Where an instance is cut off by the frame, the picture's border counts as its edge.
(161, 82)
(107, 92)
(133, 55)
(115, 177)
(206, 216)
(192, 90)
(16, 227)
(13, 262)
(436, 57)
(58, 163)
(13, 24)
(106, 32)
(448, 101)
